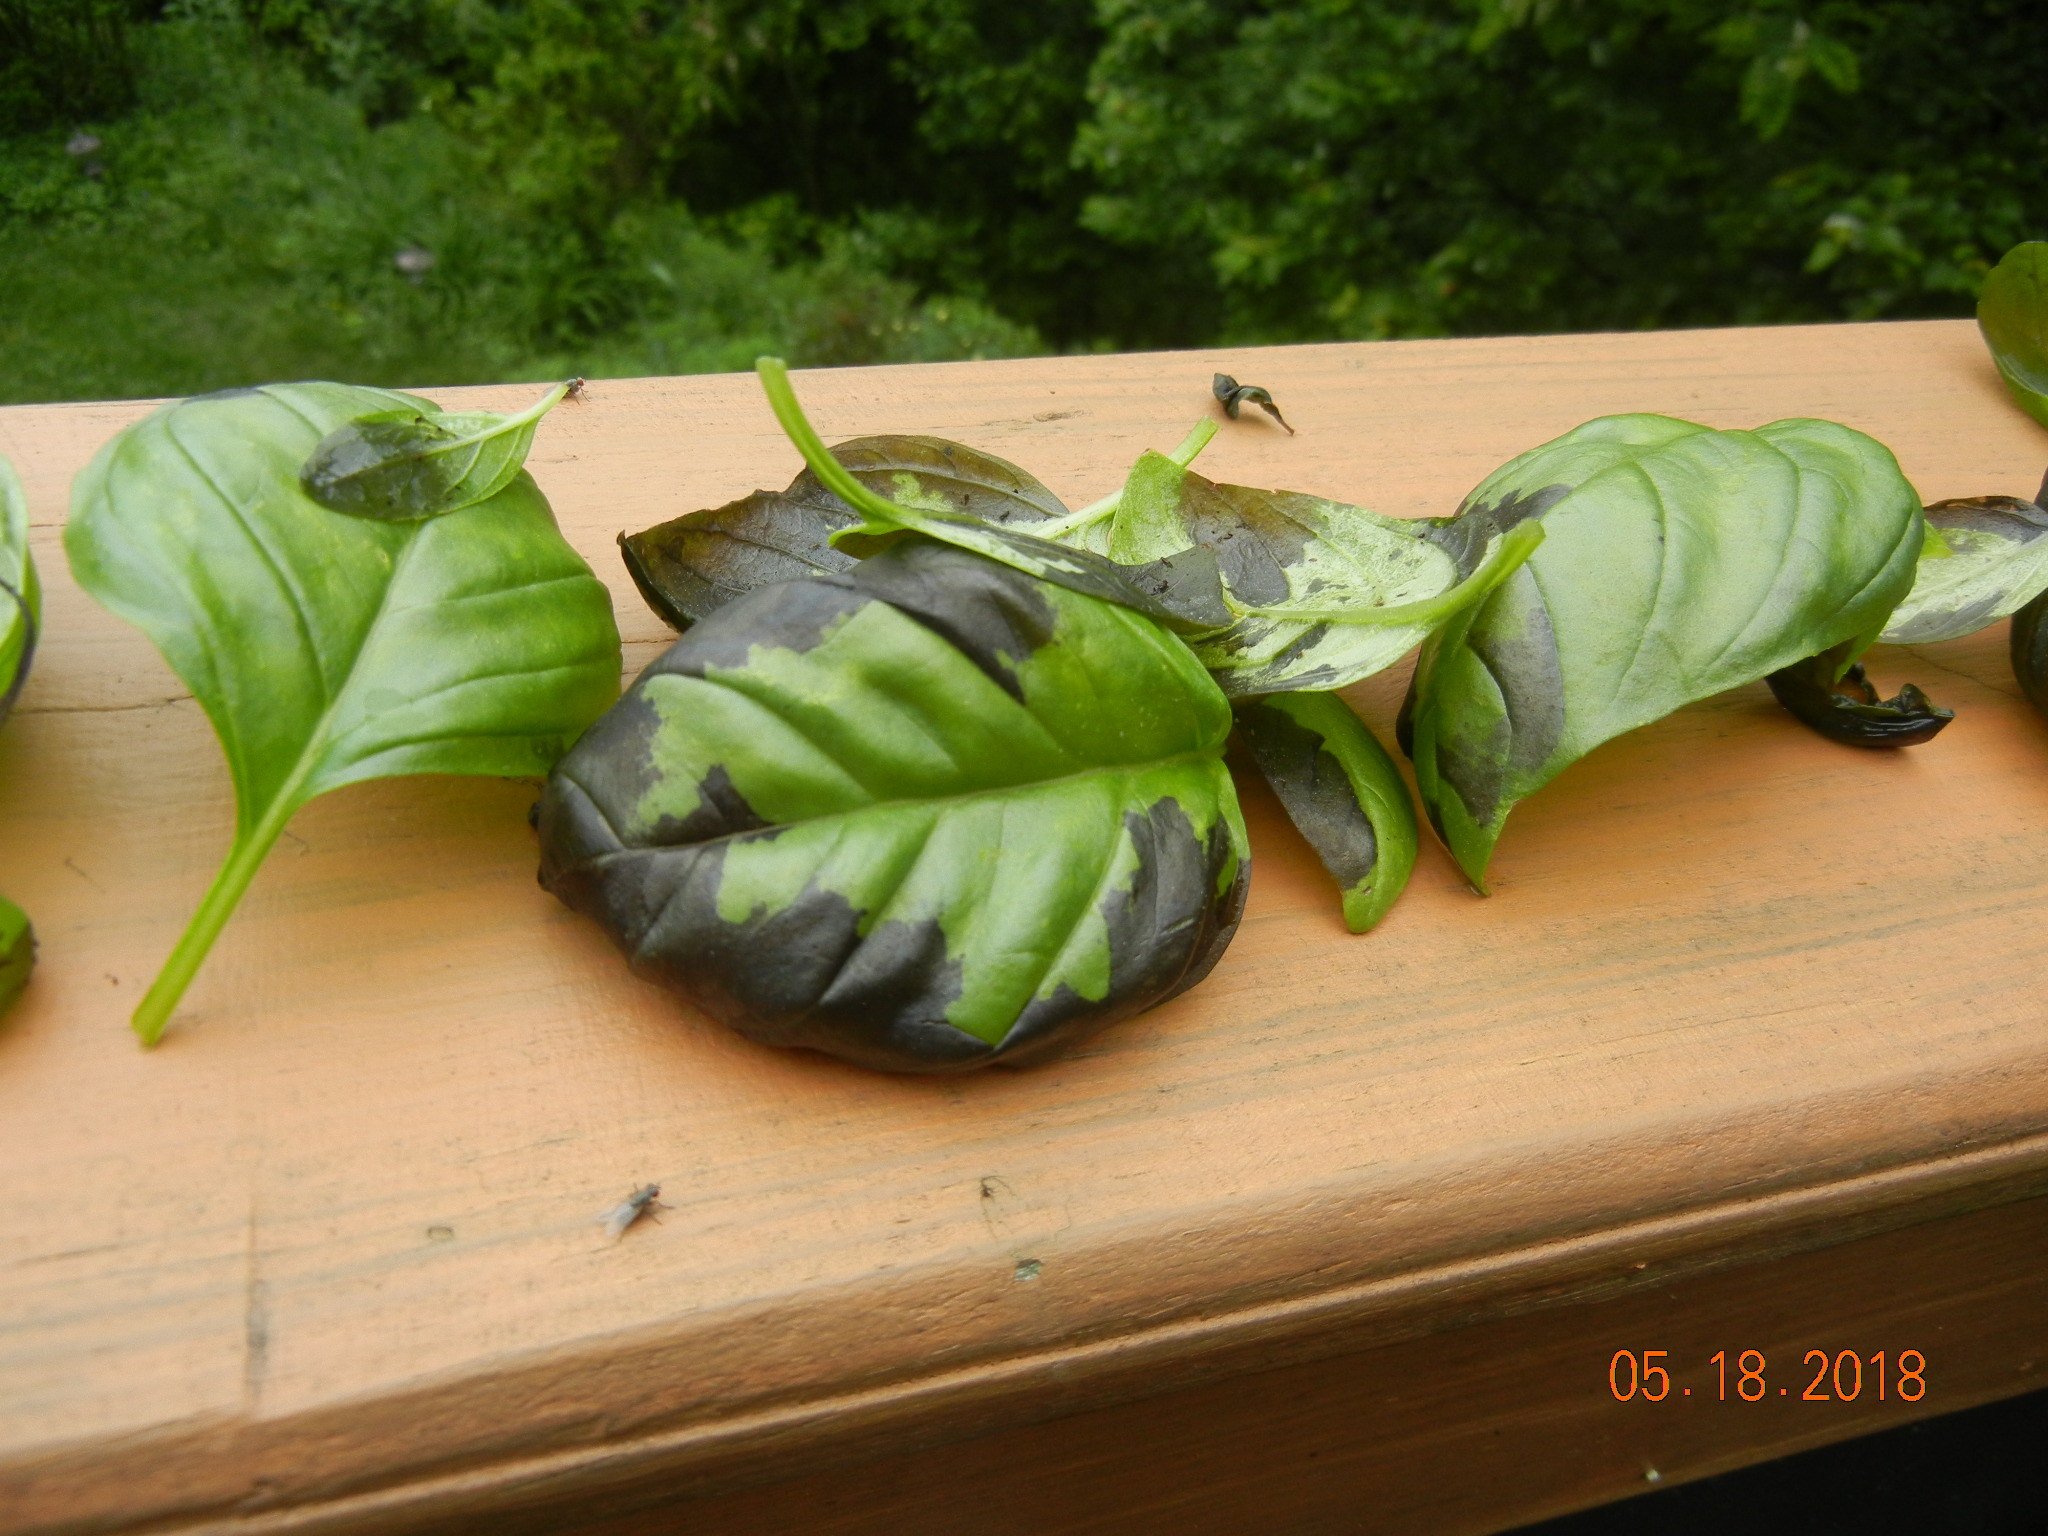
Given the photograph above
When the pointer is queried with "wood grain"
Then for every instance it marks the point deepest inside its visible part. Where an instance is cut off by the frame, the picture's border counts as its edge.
(329, 1258)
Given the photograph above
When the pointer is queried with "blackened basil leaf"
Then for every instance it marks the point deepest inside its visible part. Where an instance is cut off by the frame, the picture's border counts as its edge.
(922, 815)
(1341, 791)
(20, 596)
(1234, 395)
(325, 649)
(1182, 591)
(2012, 312)
(2028, 646)
(692, 566)
(1847, 709)
(416, 460)
(17, 952)
(1989, 556)
(1680, 561)
(1321, 593)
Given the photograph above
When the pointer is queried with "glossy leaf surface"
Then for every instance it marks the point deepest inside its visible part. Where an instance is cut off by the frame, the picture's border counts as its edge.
(1846, 708)
(1989, 557)
(923, 814)
(692, 566)
(1342, 792)
(1679, 561)
(2012, 312)
(20, 595)
(329, 649)
(415, 461)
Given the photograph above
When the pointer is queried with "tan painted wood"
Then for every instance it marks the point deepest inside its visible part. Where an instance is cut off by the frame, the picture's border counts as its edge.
(329, 1259)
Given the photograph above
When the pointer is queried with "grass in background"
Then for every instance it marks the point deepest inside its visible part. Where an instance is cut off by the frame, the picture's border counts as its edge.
(240, 225)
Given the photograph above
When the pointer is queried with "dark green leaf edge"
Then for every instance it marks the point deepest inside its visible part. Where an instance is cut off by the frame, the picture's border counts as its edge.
(1341, 790)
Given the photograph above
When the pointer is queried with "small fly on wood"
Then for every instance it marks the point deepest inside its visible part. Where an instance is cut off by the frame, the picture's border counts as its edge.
(631, 1209)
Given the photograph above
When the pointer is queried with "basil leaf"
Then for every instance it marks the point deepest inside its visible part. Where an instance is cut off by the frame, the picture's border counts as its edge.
(1183, 592)
(17, 952)
(20, 594)
(690, 567)
(1989, 558)
(1234, 395)
(1843, 706)
(1680, 561)
(418, 461)
(2012, 312)
(922, 815)
(1321, 593)
(326, 649)
(1341, 791)
(2028, 647)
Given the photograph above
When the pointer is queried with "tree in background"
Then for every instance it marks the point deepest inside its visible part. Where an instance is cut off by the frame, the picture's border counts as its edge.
(663, 184)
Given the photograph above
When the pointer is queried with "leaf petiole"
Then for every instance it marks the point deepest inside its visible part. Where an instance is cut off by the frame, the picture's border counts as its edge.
(1515, 547)
(1184, 455)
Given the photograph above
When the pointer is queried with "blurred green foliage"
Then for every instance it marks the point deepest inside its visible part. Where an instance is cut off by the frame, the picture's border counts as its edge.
(409, 191)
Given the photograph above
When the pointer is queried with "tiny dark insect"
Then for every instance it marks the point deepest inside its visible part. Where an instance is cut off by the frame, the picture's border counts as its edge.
(631, 1209)
(576, 387)
(1234, 395)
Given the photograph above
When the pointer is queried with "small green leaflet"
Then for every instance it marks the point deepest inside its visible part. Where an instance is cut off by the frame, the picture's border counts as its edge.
(1988, 558)
(20, 594)
(2012, 312)
(1680, 561)
(923, 814)
(416, 460)
(17, 952)
(1342, 792)
(328, 650)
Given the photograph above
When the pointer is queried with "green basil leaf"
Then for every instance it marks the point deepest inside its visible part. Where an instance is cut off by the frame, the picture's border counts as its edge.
(325, 649)
(1680, 561)
(417, 461)
(690, 567)
(1342, 792)
(17, 952)
(20, 594)
(1989, 558)
(923, 814)
(1322, 593)
(2012, 312)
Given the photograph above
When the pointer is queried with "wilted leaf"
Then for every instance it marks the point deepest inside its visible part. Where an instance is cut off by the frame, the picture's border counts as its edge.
(692, 566)
(1235, 396)
(1680, 561)
(1341, 791)
(417, 461)
(1846, 708)
(2012, 312)
(921, 815)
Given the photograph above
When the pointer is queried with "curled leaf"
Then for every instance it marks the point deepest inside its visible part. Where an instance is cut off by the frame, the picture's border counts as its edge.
(418, 461)
(1847, 709)
(2012, 312)
(1341, 791)
(17, 952)
(924, 814)
(692, 566)
(1679, 562)
(1234, 395)
(20, 595)
(1988, 556)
